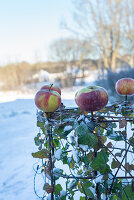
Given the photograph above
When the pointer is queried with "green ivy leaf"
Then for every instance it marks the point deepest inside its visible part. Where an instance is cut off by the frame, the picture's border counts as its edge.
(82, 198)
(60, 132)
(124, 133)
(83, 135)
(115, 135)
(58, 188)
(88, 139)
(129, 193)
(44, 153)
(80, 172)
(101, 140)
(129, 167)
(90, 156)
(46, 144)
(122, 123)
(56, 142)
(119, 154)
(116, 138)
(40, 124)
(114, 125)
(101, 189)
(99, 163)
(117, 186)
(48, 188)
(110, 145)
(114, 197)
(115, 164)
(82, 129)
(109, 132)
(131, 141)
(71, 195)
(63, 198)
(37, 141)
(65, 160)
(85, 159)
(72, 164)
(85, 188)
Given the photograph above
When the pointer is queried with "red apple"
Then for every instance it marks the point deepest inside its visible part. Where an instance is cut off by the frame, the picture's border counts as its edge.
(51, 87)
(47, 100)
(125, 86)
(91, 98)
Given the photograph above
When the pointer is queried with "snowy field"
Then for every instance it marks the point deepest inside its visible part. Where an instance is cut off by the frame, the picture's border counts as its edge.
(17, 132)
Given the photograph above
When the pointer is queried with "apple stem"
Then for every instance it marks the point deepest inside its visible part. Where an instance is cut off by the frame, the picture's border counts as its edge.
(92, 116)
(125, 99)
(50, 86)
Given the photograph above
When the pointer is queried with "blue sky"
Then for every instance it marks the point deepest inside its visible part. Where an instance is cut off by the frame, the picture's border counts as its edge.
(28, 27)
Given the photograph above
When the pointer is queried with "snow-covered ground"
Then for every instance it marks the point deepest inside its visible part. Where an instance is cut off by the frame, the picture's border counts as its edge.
(17, 132)
(17, 129)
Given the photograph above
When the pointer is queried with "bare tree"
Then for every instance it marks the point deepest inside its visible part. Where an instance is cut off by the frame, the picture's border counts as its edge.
(106, 24)
(129, 42)
(70, 52)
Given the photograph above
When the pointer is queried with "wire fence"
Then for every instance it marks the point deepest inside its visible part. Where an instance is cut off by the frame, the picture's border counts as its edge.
(97, 147)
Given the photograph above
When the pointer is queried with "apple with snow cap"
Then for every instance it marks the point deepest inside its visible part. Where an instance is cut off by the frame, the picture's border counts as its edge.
(91, 98)
(51, 87)
(125, 86)
(47, 100)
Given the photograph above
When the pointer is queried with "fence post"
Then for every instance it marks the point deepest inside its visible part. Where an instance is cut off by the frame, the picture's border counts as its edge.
(51, 149)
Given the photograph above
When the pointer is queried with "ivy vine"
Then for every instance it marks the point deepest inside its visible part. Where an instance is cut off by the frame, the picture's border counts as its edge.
(92, 147)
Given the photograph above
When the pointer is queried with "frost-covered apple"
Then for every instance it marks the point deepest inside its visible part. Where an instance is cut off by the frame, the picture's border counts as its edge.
(51, 87)
(91, 98)
(47, 100)
(125, 86)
